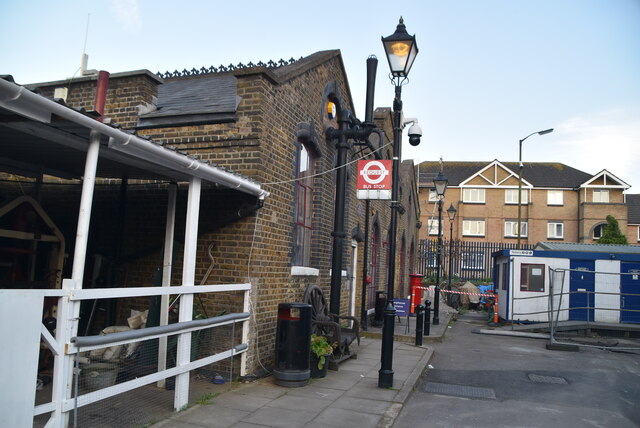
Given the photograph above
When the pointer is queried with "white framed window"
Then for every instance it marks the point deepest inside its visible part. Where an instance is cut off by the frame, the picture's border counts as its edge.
(555, 197)
(473, 227)
(511, 229)
(473, 260)
(432, 226)
(555, 230)
(598, 230)
(433, 196)
(601, 196)
(473, 196)
(638, 233)
(511, 196)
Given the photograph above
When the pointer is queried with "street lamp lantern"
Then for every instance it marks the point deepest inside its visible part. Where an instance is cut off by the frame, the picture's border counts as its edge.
(451, 212)
(441, 183)
(401, 50)
(520, 166)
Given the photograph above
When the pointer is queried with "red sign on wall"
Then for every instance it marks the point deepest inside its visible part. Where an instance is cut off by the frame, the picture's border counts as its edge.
(374, 179)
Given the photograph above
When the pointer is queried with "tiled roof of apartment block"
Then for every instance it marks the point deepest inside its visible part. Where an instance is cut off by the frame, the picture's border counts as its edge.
(539, 174)
(633, 209)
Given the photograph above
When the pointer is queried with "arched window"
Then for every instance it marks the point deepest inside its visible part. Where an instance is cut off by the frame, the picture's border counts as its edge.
(598, 230)
(304, 206)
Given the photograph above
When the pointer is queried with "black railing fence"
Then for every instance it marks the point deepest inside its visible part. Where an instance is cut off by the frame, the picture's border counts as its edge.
(469, 260)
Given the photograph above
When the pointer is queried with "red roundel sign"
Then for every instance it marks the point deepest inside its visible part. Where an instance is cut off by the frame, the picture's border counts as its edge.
(374, 175)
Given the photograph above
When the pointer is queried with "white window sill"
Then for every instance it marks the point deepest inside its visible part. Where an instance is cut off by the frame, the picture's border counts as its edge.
(304, 271)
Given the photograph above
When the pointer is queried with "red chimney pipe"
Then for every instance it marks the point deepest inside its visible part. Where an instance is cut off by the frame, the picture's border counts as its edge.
(101, 93)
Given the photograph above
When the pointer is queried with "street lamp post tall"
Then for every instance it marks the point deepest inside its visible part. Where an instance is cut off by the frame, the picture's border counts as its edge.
(441, 186)
(520, 166)
(401, 51)
(451, 212)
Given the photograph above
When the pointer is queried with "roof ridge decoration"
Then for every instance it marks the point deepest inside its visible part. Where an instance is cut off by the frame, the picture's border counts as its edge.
(492, 178)
(606, 176)
(223, 69)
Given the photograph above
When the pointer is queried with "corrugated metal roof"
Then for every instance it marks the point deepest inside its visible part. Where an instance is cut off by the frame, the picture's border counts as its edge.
(588, 248)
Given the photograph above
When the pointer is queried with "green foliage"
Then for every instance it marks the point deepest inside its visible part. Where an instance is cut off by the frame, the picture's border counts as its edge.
(321, 348)
(611, 233)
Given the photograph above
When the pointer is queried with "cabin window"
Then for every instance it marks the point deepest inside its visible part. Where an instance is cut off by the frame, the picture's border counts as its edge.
(532, 277)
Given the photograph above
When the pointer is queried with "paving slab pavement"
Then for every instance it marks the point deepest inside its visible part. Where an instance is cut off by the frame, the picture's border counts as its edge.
(349, 397)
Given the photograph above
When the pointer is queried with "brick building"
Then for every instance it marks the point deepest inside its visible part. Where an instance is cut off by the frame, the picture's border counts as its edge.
(266, 122)
(558, 203)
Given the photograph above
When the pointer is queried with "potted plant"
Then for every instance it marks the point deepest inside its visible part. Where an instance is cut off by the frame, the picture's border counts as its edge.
(321, 350)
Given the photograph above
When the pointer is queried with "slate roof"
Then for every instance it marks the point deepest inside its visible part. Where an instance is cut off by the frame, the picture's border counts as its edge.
(588, 248)
(539, 174)
(633, 209)
(211, 97)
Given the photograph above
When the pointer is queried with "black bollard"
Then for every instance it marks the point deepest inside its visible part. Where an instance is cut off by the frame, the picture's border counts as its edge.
(419, 323)
(427, 317)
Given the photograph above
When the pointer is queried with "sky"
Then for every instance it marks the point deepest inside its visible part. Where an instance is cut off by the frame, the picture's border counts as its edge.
(488, 72)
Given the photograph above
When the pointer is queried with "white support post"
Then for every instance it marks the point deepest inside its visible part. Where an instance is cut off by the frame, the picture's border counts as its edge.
(166, 275)
(245, 333)
(68, 313)
(186, 301)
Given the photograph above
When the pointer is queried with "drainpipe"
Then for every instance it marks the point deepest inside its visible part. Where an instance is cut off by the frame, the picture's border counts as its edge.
(101, 93)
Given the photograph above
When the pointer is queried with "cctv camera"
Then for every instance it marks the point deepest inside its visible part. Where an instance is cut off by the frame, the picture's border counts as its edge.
(415, 132)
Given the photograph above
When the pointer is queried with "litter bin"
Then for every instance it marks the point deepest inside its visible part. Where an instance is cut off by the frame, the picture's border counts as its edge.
(381, 302)
(293, 344)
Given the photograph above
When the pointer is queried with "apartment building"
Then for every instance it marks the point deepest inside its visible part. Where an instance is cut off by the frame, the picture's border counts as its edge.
(557, 202)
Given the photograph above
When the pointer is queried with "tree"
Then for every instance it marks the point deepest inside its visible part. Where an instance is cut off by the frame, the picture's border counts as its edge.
(611, 233)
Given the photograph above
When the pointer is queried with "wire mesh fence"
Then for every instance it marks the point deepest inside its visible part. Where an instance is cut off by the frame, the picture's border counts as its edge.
(604, 306)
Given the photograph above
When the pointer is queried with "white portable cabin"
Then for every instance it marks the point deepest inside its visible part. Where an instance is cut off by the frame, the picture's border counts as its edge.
(589, 283)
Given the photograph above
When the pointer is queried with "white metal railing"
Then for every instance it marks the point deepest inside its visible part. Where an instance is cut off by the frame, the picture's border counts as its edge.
(67, 345)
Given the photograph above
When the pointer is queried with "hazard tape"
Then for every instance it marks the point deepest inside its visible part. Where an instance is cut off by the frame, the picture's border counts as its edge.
(457, 292)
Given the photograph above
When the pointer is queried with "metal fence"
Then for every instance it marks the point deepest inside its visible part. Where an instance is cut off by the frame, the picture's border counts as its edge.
(468, 260)
(129, 377)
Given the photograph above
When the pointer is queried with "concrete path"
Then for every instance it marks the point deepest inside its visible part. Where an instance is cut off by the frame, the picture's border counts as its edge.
(478, 380)
(349, 397)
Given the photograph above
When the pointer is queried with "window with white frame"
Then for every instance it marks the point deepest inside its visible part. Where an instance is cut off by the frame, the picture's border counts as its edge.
(555, 230)
(511, 196)
(638, 233)
(473, 260)
(598, 230)
(473, 196)
(432, 226)
(555, 197)
(473, 227)
(433, 196)
(511, 229)
(601, 196)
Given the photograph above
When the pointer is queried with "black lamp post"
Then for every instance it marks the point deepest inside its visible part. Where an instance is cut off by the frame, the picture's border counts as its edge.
(451, 212)
(546, 131)
(401, 51)
(441, 186)
(351, 132)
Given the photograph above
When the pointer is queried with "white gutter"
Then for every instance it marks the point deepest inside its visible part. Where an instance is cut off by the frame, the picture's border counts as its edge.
(24, 102)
